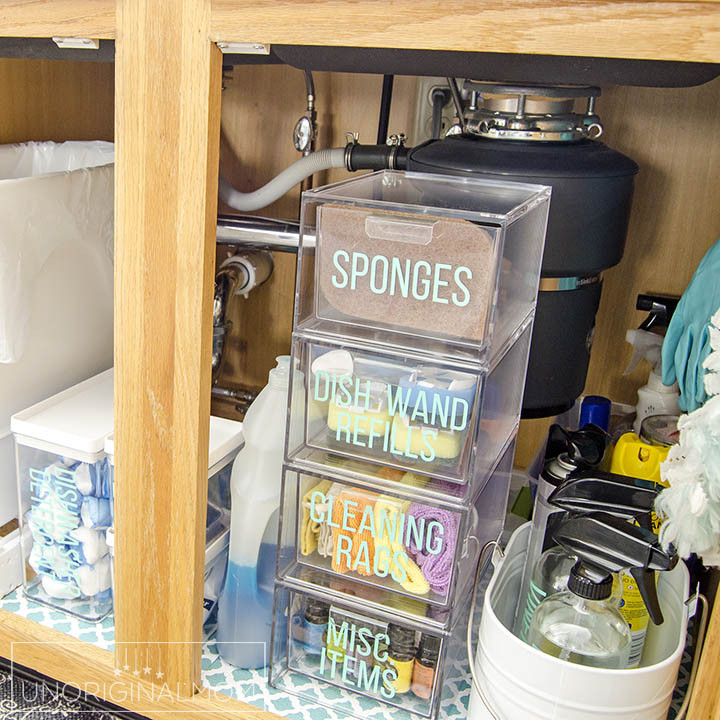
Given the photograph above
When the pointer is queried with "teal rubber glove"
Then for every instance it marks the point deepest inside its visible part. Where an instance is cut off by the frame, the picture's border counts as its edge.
(687, 342)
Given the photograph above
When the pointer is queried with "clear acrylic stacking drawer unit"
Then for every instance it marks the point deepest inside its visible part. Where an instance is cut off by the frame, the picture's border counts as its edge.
(444, 265)
(415, 302)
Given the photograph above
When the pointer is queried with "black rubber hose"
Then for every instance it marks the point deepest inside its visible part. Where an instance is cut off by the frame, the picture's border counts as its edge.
(439, 100)
(385, 100)
(309, 83)
(376, 157)
(457, 100)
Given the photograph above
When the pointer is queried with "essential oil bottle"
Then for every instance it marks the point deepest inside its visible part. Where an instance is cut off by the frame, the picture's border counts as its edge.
(315, 625)
(402, 655)
(425, 666)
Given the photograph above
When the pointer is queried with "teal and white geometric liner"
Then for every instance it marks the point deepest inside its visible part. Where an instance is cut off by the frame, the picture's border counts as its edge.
(101, 633)
(250, 686)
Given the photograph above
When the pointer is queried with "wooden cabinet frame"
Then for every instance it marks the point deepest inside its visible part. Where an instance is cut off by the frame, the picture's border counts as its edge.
(167, 135)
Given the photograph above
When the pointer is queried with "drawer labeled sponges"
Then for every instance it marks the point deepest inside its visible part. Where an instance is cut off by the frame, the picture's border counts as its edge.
(403, 411)
(444, 265)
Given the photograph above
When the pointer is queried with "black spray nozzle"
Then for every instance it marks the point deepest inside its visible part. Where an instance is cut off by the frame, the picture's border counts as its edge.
(596, 490)
(585, 446)
(612, 544)
(659, 307)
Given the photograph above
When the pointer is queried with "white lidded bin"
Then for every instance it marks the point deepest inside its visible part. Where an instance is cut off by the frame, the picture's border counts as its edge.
(65, 497)
(522, 682)
(216, 557)
(216, 560)
(56, 278)
(225, 441)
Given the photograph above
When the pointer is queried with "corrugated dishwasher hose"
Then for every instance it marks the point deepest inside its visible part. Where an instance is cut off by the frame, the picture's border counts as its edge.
(352, 157)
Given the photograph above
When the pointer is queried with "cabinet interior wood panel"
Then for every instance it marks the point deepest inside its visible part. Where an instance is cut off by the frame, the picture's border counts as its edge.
(660, 30)
(259, 110)
(53, 18)
(56, 100)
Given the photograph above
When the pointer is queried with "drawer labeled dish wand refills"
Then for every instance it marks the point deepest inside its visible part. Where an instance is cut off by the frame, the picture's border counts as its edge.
(404, 410)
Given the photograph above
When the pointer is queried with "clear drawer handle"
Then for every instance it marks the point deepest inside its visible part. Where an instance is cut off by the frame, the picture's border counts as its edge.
(416, 232)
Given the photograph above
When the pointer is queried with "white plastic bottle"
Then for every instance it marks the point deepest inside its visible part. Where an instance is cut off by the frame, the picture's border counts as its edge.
(246, 601)
(654, 398)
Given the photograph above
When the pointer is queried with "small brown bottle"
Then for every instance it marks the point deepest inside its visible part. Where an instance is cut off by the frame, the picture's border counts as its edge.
(425, 666)
(401, 652)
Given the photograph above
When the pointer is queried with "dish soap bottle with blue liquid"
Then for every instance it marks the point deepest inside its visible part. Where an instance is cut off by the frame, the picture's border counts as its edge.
(245, 607)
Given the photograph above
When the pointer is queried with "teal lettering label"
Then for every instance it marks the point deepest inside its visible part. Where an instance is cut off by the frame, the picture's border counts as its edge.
(379, 268)
(391, 529)
(340, 281)
(534, 597)
(360, 264)
(421, 284)
(317, 498)
(439, 283)
(357, 657)
(403, 421)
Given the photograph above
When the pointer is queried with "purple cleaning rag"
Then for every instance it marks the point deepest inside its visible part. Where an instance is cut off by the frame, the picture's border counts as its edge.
(437, 569)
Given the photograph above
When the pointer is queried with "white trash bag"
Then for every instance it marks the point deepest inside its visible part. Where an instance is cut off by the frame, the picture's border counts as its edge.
(50, 194)
(56, 278)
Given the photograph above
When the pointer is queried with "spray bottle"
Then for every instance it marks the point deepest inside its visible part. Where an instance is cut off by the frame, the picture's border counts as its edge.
(654, 398)
(623, 497)
(565, 487)
(580, 624)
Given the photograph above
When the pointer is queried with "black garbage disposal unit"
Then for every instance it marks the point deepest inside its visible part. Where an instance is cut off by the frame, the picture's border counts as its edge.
(534, 134)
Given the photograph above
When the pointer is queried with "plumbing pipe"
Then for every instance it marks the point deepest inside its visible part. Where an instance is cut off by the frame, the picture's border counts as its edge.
(440, 96)
(457, 100)
(385, 100)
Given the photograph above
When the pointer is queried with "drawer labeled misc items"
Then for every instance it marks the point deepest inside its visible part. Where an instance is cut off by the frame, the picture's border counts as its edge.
(388, 539)
(436, 263)
(403, 411)
(356, 650)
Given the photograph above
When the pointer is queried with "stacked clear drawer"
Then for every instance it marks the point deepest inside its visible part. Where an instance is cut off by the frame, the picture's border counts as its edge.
(414, 310)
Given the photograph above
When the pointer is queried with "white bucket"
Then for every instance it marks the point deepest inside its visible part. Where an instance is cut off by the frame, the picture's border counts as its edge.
(521, 682)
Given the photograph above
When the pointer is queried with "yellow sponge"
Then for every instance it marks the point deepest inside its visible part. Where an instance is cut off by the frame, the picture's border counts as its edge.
(446, 444)
(364, 418)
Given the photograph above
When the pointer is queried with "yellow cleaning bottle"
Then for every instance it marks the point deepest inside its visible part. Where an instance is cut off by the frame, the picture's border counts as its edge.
(639, 456)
